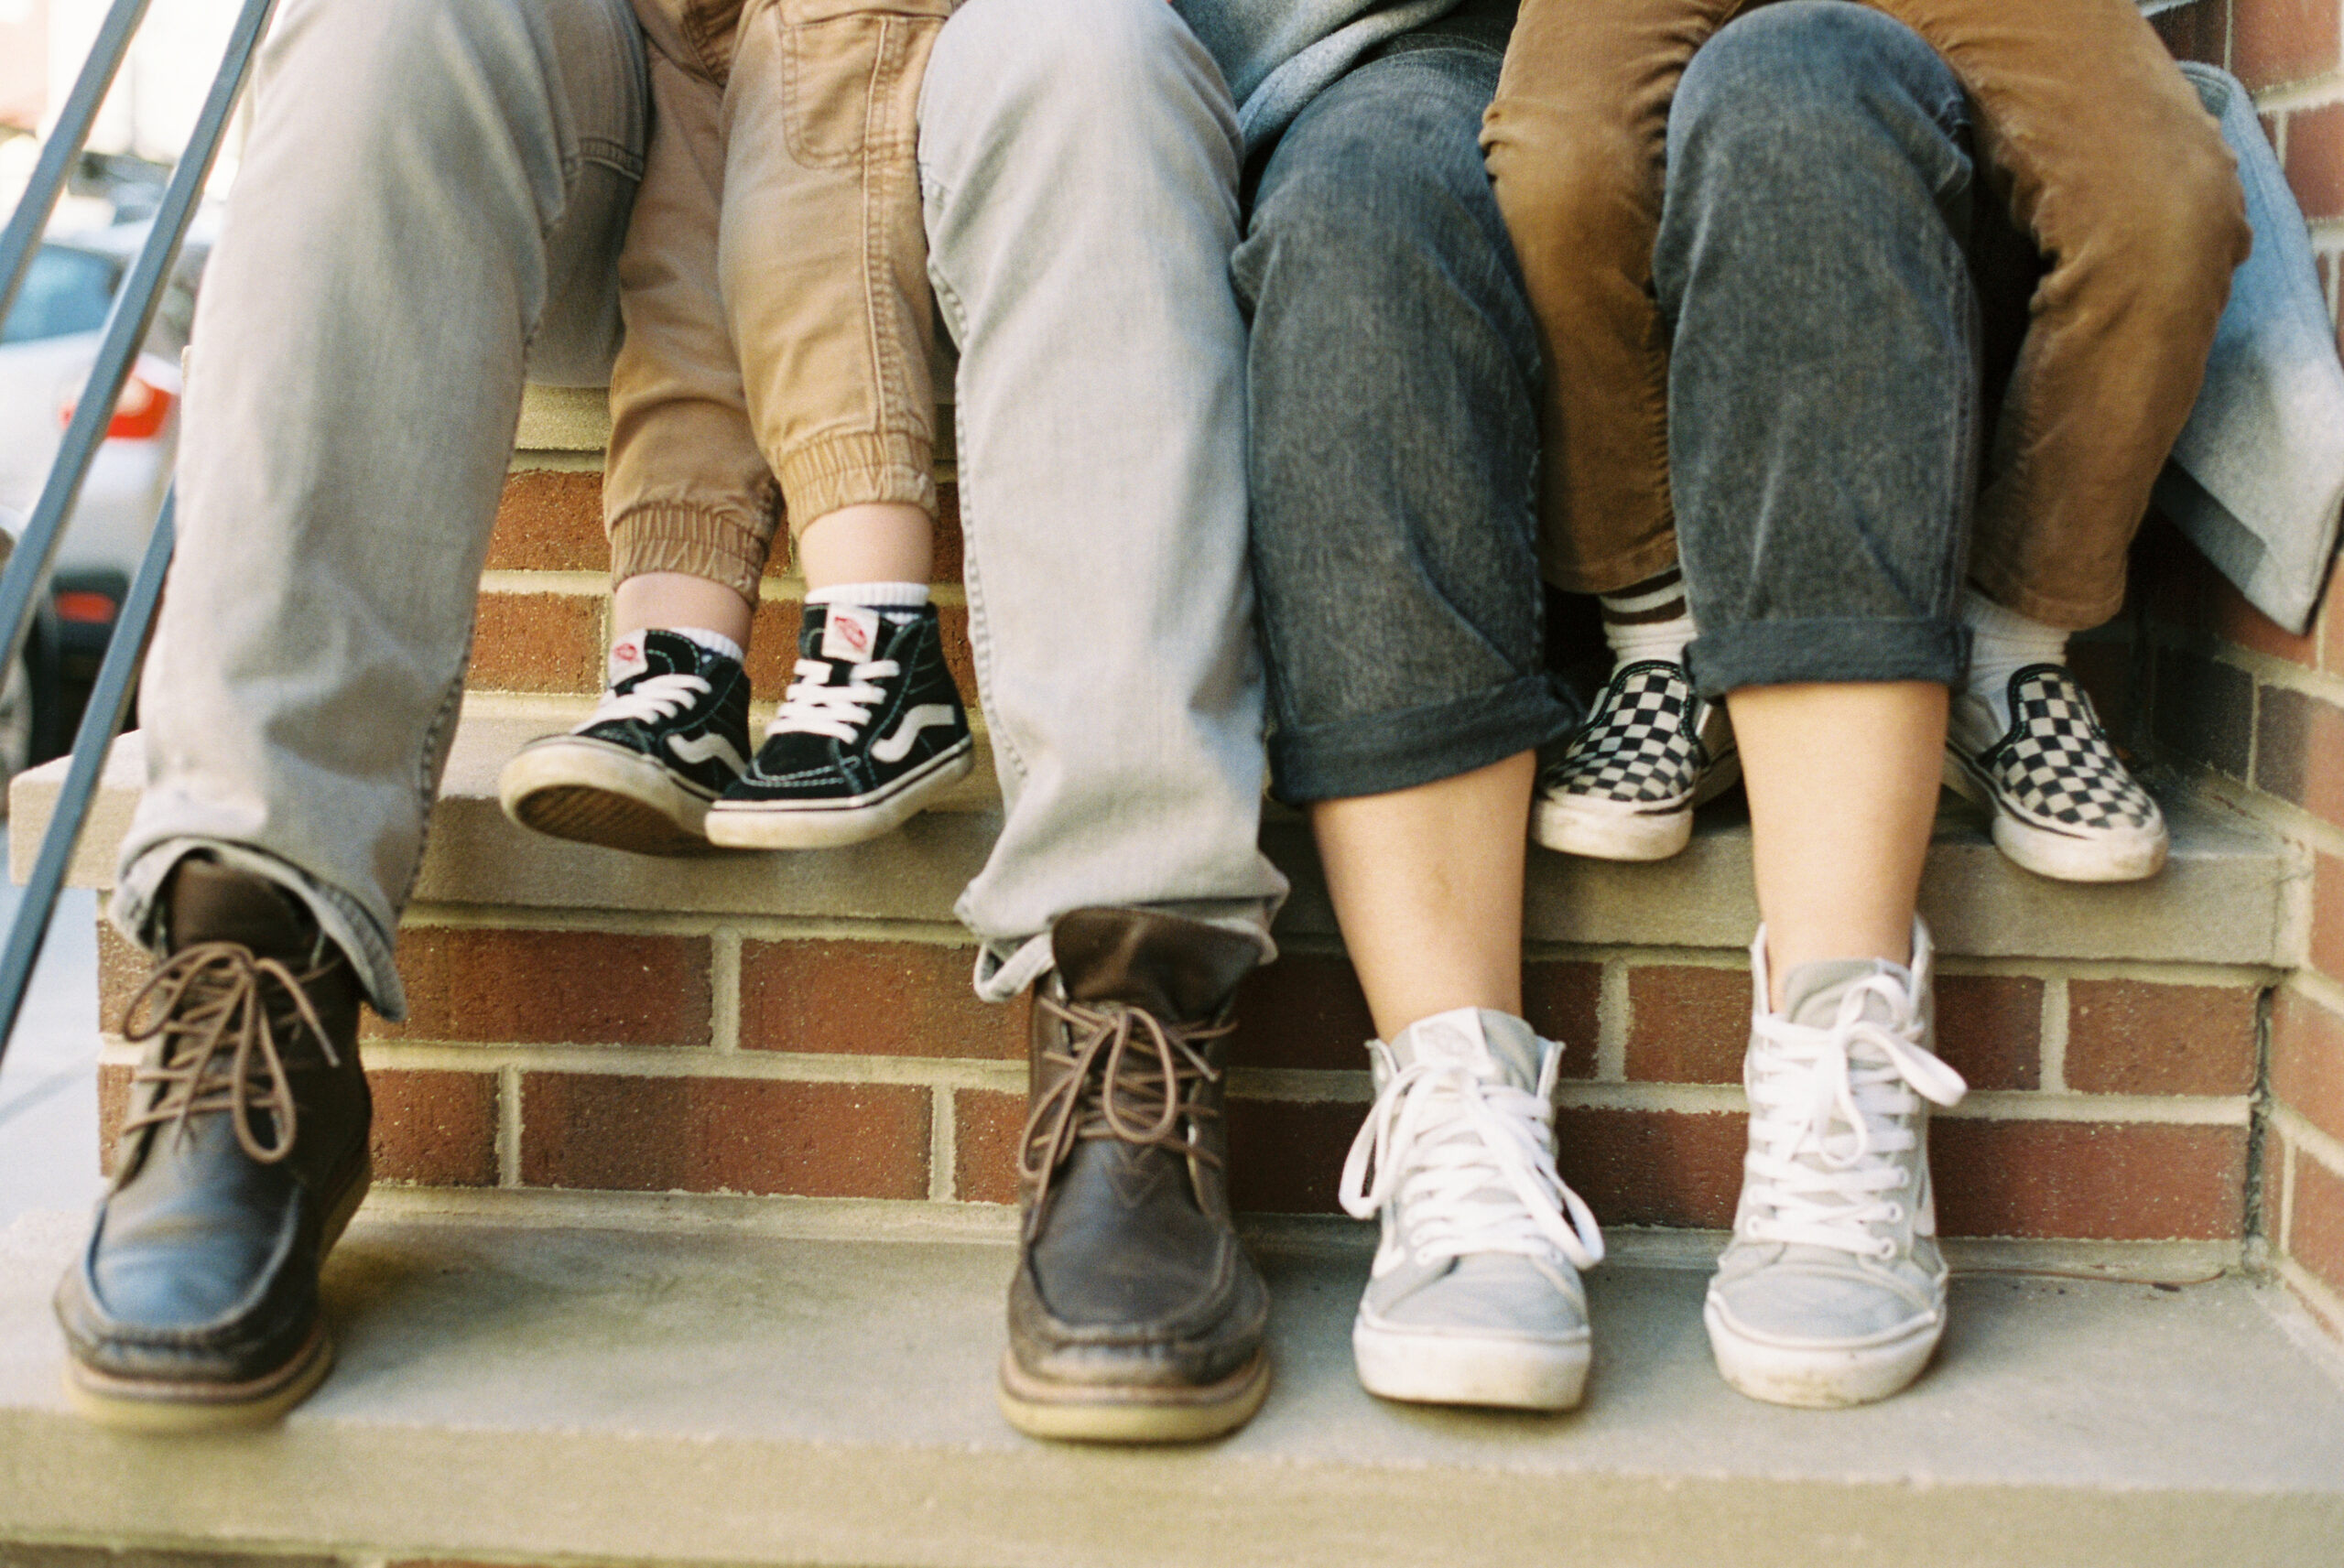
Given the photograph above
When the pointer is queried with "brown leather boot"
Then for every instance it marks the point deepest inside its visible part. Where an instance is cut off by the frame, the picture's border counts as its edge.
(195, 1305)
(1136, 1316)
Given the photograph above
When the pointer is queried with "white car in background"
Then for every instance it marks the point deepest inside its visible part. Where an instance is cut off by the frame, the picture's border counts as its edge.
(47, 344)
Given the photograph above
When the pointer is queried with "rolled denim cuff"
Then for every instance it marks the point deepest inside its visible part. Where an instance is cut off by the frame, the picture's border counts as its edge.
(1380, 752)
(1793, 653)
(135, 909)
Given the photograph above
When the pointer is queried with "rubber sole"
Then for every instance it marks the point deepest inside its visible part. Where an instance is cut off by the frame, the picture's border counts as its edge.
(766, 825)
(1817, 1377)
(594, 793)
(1575, 825)
(2062, 857)
(1448, 1370)
(159, 1407)
(1085, 1413)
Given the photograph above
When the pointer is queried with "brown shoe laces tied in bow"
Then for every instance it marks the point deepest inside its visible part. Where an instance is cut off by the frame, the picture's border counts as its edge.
(208, 1005)
(1142, 1097)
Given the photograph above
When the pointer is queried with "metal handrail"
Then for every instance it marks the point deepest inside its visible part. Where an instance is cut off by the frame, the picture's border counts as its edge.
(27, 576)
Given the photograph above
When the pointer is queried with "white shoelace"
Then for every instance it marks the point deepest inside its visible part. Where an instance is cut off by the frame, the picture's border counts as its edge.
(1829, 1109)
(812, 706)
(649, 700)
(1438, 1139)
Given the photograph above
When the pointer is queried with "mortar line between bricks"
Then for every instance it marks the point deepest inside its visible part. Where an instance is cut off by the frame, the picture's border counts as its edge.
(573, 584)
(554, 459)
(2053, 1067)
(725, 991)
(2314, 987)
(1614, 1017)
(697, 1062)
(2312, 92)
(2268, 669)
(1983, 1105)
(2302, 1135)
(2313, 1291)
(655, 923)
(943, 1157)
(508, 1127)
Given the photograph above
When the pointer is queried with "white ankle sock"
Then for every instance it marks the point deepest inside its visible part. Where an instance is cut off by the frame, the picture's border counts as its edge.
(1649, 619)
(714, 641)
(2002, 643)
(873, 595)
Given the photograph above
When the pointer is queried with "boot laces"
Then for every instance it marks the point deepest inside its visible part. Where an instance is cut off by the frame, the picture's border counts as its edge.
(1834, 1115)
(649, 700)
(1470, 1166)
(812, 706)
(1126, 1075)
(219, 1049)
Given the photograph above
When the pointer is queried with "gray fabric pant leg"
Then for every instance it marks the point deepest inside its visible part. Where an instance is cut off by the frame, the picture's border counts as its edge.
(430, 206)
(1393, 370)
(1078, 162)
(1824, 384)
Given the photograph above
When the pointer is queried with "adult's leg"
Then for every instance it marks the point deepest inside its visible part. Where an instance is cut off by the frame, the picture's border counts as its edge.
(1823, 437)
(434, 195)
(1078, 160)
(1394, 373)
(1079, 163)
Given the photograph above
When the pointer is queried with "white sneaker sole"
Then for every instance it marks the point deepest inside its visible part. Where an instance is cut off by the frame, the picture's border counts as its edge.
(2126, 857)
(1510, 1373)
(768, 824)
(603, 794)
(1818, 1376)
(1601, 830)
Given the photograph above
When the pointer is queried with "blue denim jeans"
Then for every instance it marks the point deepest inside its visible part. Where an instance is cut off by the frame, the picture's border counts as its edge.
(1393, 377)
(1823, 405)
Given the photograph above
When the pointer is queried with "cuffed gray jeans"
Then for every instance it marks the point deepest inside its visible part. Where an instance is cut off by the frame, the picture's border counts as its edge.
(430, 210)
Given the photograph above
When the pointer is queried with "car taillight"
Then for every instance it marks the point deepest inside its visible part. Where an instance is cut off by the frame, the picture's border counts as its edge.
(87, 608)
(139, 413)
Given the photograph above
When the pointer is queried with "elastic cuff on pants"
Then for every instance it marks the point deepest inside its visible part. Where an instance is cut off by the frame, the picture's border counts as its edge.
(1794, 653)
(859, 469)
(136, 911)
(717, 543)
(1385, 751)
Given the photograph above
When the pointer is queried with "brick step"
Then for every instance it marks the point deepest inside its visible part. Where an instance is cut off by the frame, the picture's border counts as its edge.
(522, 1395)
(802, 1028)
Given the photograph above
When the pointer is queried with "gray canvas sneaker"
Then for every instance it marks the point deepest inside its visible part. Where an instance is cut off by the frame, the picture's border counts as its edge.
(1832, 1291)
(1474, 1298)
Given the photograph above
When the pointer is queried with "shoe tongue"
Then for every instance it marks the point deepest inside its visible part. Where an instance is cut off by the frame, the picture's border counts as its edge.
(1497, 1047)
(211, 903)
(842, 634)
(652, 653)
(1181, 970)
(1811, 992)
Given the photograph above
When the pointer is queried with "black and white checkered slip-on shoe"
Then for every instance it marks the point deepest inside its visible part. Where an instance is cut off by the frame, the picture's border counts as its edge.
(2064, 804)
(671, 735)
(870, 732)
(1625, 785)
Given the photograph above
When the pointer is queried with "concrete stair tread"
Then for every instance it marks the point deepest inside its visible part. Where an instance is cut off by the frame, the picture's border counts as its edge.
(711, 1396)
(2219, 901)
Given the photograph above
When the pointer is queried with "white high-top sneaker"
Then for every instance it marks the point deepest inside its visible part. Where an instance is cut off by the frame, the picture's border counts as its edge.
(1832, 1291)
(1475, 1297)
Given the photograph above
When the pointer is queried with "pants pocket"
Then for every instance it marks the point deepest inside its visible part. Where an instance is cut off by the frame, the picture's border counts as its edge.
(843, 68)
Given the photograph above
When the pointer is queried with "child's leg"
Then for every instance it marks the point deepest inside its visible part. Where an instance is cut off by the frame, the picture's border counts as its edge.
(692, 510)
(824, 261)
(1574, 142)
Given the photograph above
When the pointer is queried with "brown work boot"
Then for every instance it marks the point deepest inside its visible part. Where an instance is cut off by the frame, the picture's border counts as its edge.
(1136, 1316)
(243, 1156)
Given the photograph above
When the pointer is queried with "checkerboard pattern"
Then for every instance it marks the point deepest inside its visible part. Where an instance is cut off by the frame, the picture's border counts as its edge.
(1640, 744)
(2056, 768)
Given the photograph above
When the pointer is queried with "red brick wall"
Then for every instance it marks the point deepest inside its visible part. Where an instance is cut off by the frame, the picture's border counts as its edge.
(2254, 714)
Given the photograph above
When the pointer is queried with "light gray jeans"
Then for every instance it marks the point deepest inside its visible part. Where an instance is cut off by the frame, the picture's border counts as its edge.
(430, 210)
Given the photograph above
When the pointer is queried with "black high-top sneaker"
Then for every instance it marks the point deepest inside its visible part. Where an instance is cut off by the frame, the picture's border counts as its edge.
(671, 735)
(242, 1158)
(1136, 1315)
(871, 730)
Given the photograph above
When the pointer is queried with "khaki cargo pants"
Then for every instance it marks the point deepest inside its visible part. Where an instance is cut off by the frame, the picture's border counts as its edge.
(779, 211)
(2089, 135)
